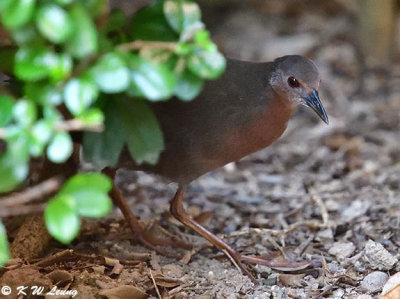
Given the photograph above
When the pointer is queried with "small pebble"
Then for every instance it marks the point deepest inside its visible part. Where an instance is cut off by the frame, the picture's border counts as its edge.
(378, 257)
(342, 249)
(339, 293)
(374, 281)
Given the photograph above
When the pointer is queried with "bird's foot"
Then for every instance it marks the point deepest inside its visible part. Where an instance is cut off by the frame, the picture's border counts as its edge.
(153, 232)
(148, 235)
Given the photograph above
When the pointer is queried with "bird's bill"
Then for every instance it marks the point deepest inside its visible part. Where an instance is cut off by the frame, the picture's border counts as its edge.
(313, 101)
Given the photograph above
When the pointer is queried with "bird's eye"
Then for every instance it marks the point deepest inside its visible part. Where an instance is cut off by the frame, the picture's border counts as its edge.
(293, 83)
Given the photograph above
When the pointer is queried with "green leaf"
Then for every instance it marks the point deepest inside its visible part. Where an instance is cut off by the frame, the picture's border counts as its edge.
(143, 134)
(202, 38)
(4, 251)
(43, 93)
(7, 55)
(40, 134)
(181, 14)
(6, 109)
(17, 13)
(3, 4)
(14, 163)
(116, 21)
(25, 112)
(61, 67)
(25, 35)
(207, 65)
(154, 81)
(104, 148)
(95, 7)
(89, 191)
(31, 64)
(111, 74)
(60, 148)
(92, 117)
(53, 23)
(61, 218)
(188, 86)
(36, 62)
(80, 182)
(156, 29)
(83, 41)
(64, 2)
(79, 94)
(93, 204)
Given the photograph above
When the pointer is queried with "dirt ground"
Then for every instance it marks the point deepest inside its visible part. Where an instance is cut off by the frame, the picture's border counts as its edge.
(326, 193)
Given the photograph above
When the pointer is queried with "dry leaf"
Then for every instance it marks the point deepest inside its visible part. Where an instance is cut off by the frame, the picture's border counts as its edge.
(117, 267)
(391, 290)
(124, 292)
(167, 282)
(291, 280)
(203, 218)
(60, 277)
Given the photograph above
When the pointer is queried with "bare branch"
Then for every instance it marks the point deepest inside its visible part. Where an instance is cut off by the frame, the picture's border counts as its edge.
(67, 126)
(140, 44)
(32, 194)
(77, 125)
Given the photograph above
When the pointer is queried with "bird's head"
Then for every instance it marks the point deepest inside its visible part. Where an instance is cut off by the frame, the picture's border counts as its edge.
(296, 79)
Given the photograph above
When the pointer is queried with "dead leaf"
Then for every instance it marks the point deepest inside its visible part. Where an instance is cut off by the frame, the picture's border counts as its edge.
(186, 258)
(203, 218)
(167, 282)
(391, 290)
(117, 267)
(124, 292)
(155, 261)
(291, 280)
(60, 277)
(180, 295)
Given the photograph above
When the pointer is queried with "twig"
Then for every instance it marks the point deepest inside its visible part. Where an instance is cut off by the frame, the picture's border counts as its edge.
(140, 44)
(155, 285)
(232, 260)
(67, 126)
(77, 125)
(61, 256)
(21, 210)
(33, 193)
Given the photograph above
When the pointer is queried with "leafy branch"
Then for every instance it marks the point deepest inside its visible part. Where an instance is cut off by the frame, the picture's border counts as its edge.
(76, 66)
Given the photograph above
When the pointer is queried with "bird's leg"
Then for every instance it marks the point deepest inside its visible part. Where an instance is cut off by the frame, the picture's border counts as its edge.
(132, 220)
(178, 211)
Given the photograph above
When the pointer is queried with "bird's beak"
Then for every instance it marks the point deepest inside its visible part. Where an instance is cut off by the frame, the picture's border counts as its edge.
(312, 100)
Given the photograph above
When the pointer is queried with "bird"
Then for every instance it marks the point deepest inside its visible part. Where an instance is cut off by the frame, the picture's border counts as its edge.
(244, 111)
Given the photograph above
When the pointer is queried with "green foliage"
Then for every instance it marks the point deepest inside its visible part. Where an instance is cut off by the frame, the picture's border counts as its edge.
(104, 148)
(83, 41)
(78, 67)
(181, 15)
(111, 73)
(6, 109)
(153, 81)
(62, 220)
(142, 132)
(54, 23)
(4, 252)
(84, 195)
